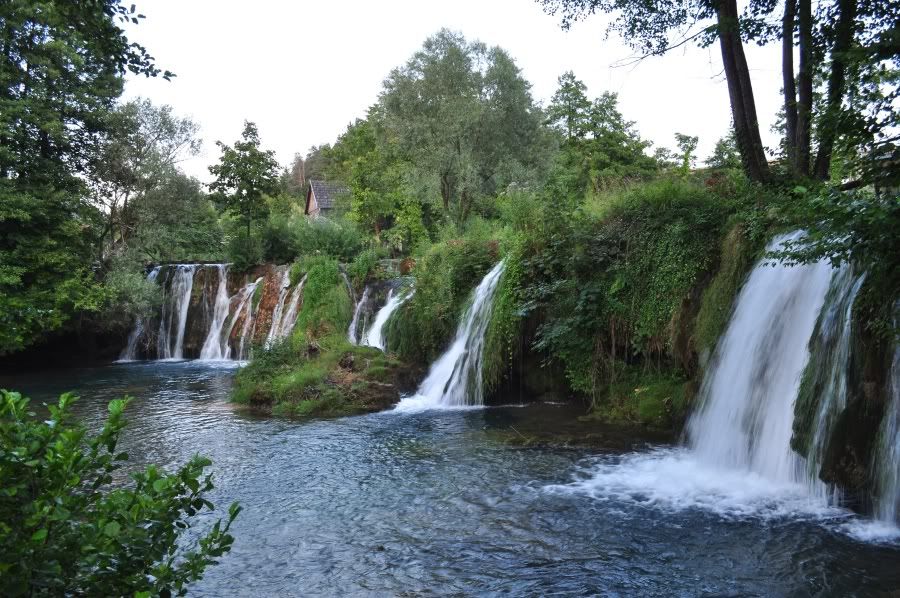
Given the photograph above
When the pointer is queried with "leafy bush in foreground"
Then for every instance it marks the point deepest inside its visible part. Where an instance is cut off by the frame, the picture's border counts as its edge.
(69, 526)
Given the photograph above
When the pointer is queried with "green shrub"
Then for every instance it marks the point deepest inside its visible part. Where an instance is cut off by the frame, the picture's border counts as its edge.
(245, 252)
(278, 239)
(363, 267)
(322, 236)
(608, 282)
(66, 528)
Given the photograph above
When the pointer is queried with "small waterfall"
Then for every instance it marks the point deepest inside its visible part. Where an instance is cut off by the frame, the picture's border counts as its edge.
(887, 455)
(374, 337)
(747, 396)
(288, 318)
(455, 379)
(249, 315)
(823, 393)
(361, 307)
(174, 314)
(217, 345)
(279, 307)
(130, 351)
(211, 346)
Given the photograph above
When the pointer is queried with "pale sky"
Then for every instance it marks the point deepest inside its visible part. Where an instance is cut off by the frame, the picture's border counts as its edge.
(304, 70)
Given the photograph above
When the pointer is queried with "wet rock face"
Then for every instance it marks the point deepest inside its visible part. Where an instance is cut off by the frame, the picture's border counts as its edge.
(200, 310)
(373, 299)
(243, 328)
(850, 454)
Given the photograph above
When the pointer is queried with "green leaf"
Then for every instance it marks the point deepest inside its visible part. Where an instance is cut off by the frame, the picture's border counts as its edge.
(111, 529)
(160, 484)
(39, 535)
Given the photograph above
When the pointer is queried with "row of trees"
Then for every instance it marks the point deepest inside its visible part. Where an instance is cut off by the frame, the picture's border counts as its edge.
(840, 99)
(457, 124)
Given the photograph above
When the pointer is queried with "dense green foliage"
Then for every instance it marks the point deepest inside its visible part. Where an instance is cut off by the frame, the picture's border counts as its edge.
(61, 70)
(70, 525)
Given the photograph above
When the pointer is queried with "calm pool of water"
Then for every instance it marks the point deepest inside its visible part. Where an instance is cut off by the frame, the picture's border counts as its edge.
(434, 503)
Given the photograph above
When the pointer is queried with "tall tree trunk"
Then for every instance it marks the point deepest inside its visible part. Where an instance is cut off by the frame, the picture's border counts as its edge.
(788, 82)
(837, 81)
(740, 92)
(804, 91)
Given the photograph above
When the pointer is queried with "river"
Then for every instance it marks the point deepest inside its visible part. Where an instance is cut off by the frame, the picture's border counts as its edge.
(437, 502)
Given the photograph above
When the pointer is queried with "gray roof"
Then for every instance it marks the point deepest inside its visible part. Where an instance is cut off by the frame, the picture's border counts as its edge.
(327, 192)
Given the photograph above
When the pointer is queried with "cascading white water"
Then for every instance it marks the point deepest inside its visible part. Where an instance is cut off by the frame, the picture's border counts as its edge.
(211, 345)
(217, 346)
(887, 451)
(130, 351)
(455, 379)
(374, 337)
(279, 307)
(361, 306)
(288, 318)
(747, 396)
(174, 314)
(829, 365)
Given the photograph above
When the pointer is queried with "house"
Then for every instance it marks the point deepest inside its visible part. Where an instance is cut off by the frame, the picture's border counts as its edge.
(322, 197)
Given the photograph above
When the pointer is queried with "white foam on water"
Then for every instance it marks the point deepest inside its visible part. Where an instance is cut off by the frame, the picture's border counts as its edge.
(674, 479)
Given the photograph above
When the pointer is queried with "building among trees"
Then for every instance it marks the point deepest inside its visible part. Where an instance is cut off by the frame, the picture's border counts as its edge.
(322, 197)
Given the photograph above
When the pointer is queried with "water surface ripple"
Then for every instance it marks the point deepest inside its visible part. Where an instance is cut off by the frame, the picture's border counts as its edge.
(432, 503)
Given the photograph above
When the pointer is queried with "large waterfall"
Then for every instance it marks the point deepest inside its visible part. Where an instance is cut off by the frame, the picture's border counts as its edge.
(747, 397)
(212, 313)
(739, 460)
(455, 379)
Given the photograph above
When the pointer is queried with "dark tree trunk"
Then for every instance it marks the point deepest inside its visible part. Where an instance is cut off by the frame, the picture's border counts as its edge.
(740, 92)
(836, 83)
(788, 82)
(804, 91)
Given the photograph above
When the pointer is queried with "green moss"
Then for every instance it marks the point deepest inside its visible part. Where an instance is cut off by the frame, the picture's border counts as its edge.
(328, 402)
(257, 294)
(735, 261)
(655, 400)
(504, 332)
(327, 308)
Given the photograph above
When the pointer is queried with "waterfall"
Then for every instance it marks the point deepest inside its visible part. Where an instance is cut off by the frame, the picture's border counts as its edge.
(288, 318)
(174, 313)
(374, 337)
(217, 345)
(747, 396)
(249, 322)
(130, 351)
(279, 307)
(455, 379)
(211, 346)
(823, 392)
(361, 306)
(887, 451)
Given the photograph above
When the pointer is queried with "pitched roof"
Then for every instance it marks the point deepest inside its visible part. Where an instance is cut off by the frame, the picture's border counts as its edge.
(327, 192)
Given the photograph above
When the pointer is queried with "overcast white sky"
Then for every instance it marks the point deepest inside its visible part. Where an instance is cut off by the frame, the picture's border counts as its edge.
(304, 70)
